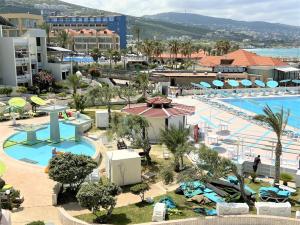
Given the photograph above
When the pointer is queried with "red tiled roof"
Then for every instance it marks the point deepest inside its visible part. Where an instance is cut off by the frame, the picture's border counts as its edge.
(146, 111)
(242, 58)
(159, 100)
(195, 55)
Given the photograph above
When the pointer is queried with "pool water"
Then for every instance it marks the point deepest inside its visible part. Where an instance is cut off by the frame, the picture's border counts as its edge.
(256, 105)
(41, 153)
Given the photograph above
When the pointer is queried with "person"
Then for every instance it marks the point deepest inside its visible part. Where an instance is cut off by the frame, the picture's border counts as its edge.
(255, 163)
(54, 152)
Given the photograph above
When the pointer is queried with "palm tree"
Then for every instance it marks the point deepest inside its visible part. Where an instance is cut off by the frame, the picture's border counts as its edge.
(222, 47)
(186, 49)
(176, 140)
(174, 47)
(46, 27)
(74, 82)
(110, 55)
(158, 49)
(147, 48)
(277, 121)
(63, 38)
(142, 81)
(123, 54)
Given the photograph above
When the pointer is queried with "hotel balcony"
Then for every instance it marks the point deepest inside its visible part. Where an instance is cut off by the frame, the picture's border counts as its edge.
(24, 78)
(20, 61)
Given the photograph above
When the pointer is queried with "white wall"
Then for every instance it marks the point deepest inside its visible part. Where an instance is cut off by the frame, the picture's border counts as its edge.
(176, 121)
(57, 68)
(7, 62)
(155, 125)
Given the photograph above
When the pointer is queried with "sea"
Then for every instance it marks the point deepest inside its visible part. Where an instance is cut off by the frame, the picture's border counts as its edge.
(277, 52)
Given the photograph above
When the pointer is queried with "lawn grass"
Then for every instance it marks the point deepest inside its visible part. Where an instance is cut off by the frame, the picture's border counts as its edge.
(142, 212)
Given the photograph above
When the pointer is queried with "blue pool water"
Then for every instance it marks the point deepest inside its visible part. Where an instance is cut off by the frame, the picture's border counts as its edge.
(256, 105)
(41, 153)
(79, 59)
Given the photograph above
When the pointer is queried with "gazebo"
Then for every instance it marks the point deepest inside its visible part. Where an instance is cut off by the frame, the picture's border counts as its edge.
(161, 113)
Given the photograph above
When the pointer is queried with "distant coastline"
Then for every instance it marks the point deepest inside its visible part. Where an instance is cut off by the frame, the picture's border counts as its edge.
(277, 52)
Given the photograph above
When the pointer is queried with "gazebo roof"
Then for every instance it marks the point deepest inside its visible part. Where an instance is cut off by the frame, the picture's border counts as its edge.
(159, 107)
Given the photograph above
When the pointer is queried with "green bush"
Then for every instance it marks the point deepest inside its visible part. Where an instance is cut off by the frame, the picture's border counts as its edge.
(21, 90)
(140, 189)
(62, 95)
(36, 223)
(2, 183)
(84, 85)
(167, 175)
(286, 177)
(6, 91)
(141, 99)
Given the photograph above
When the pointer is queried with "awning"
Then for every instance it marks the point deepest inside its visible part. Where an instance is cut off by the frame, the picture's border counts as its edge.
(260, 83)
(218, 83)
(205, 84)
(233, 83)
(58, 49)
(287, 69)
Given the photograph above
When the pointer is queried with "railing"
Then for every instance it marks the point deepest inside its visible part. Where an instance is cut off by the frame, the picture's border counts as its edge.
(22, 60)
(23, 78)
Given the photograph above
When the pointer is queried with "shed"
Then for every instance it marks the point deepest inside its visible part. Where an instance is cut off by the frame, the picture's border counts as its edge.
(123, 167)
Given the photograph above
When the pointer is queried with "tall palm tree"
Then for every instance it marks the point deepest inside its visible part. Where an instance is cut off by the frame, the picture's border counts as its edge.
(158, 49)
(174, 48)
(74, 82)
(176, 140)
(186, 49)
(147, 48)
(63, 38)
(277, 121)
(142, 81)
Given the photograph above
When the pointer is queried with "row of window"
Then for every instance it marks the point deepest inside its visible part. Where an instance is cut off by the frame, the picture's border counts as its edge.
(81, 19)
(92, 46)
(94, 39)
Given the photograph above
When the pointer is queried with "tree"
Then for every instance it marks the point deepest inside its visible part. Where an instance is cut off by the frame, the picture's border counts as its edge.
(43, 79)
(127, 93)
(96, 54)
(176, 140)
(79, 102)
(71, 169)
(158, 49)
(147, 48)
(113, 55)
(140, 189)
(94, 72)
(142, 82)
(74, 82)
(46, 27)
(137, 33)
(222, 47)
(63, 38)
(95, 196)
(174, 48)
(277, 121)
(186, 49)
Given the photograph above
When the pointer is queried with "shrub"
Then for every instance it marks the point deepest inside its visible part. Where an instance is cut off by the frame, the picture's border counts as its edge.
(21, 90)
(62, 95)
(36, 223)
(167, 175)
(84, 85)
(140, 189)
(6, 91)
(286, 177)
(2, 183)
(141, 99)
(79, 102)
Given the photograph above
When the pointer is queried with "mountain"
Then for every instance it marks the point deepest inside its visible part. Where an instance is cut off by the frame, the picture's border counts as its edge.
(255, 28)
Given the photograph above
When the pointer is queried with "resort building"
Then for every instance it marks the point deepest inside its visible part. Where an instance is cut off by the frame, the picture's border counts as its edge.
(161, 113)
(241, 61)
(22, 22)
(86, 40)
(115, 23)
(179, 57)
(23, 57)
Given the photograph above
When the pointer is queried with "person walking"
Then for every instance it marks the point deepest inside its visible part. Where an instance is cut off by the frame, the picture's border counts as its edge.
(256, 162)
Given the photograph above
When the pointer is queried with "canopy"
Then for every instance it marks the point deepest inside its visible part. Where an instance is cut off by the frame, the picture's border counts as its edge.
(272, 84)
(285, 81)
(205, 84)
(17, 102)
(246, 83)
(58, 49)
(296, 81)
(259, 83)
(37, 100)
(218, 83)
(287, 69)
(233, 83)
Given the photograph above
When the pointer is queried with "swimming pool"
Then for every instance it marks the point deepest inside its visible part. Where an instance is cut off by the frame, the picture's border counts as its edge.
(79, 59)
(256, 105)
(41, 153)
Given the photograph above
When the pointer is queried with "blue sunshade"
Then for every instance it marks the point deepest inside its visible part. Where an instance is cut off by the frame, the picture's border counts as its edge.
(296, 81)
(284, 81)
(259, 83)
(205, 84)
(246, 83)
(218, 83)
(196, 85)
(272, 84)
(233, 83)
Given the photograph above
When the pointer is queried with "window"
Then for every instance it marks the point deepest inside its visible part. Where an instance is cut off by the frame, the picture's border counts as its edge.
(38, 41)
(39, 57)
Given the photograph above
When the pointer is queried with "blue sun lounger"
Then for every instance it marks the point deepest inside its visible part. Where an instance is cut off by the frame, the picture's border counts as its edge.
(214, 197)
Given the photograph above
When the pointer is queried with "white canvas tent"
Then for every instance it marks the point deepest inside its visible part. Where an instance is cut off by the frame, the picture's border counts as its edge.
(123, 167)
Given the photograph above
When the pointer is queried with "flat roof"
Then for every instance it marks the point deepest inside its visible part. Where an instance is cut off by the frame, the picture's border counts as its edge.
(122, 154)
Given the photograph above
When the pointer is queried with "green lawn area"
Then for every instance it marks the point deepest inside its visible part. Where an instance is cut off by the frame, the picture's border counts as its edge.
(142, 213)
(2, 168)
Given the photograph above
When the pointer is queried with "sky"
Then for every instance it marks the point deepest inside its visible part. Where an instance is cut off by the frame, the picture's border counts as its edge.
(276, 11)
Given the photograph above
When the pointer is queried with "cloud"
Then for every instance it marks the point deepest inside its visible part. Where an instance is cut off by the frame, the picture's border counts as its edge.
(276, 11)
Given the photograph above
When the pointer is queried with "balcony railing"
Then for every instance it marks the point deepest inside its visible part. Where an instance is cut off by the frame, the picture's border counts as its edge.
(23, 78)
(22, 60)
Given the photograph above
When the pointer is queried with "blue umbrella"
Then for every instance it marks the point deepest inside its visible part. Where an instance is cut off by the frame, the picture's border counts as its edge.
(218, 83)
(296, 81)
(196, 85)
(246, 83)
(272, 84)
(233, 83)
(205, 84)
(260, 83)
(284, 81)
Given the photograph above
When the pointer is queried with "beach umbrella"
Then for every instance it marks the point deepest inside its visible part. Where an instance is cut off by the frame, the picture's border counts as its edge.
(296, 81)
(233, 83)
(37, 100)
(17, 102)
(284, 81)
(272, 84)
(218, 83)
(260, 83)
(205, 84)
(246, 82)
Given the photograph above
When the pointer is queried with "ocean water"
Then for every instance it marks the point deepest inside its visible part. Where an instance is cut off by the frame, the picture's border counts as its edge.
(277, 52)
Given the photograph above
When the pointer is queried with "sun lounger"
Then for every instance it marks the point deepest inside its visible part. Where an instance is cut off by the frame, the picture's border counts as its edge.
(214, 197)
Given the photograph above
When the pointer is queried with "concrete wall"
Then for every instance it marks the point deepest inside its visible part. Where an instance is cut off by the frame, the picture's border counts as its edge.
(57, 68)
(176, 121)
(7, 62)
(154, 130)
